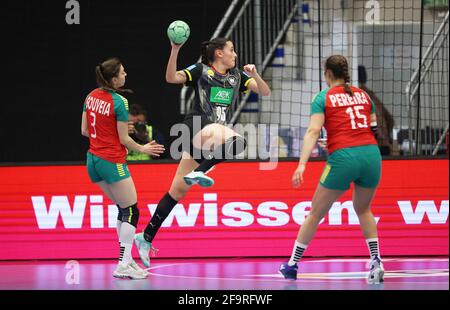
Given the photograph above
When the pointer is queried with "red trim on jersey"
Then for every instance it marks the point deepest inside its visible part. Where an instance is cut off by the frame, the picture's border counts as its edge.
(104, 139)
(340, 109)
(219, 73)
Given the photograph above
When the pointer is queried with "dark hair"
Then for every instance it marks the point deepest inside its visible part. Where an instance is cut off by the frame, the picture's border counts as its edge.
(339, 66)
(105, 71)
(208, 49)
(136, 109)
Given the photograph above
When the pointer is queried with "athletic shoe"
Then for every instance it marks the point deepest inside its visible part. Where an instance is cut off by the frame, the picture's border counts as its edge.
(288, 272)
(138, 268)
(126, 271)
(144, 248)
(198, 177)
(376, 271)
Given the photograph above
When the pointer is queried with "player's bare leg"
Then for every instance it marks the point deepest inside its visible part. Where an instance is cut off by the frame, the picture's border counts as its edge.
(124, 194)
(322, 201)
(362, 198)
(219, 143)
(178, 190)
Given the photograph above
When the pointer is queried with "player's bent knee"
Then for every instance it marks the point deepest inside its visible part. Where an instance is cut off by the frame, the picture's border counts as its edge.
(235, 146)
(362, 212)
(178, 189)
(131, 215)
(177, 194)
(315, 216)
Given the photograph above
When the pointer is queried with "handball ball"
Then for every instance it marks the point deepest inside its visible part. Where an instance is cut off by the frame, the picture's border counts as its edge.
(178, 32)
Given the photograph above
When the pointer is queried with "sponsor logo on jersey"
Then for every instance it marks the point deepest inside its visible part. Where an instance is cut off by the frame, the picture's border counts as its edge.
(221, 95)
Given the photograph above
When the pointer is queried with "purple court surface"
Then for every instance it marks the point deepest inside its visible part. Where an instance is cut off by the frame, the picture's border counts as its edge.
(227, 274)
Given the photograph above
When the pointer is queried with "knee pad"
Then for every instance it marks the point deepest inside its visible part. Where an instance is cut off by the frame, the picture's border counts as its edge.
(130, 215)
(120, 213)
(234, 146)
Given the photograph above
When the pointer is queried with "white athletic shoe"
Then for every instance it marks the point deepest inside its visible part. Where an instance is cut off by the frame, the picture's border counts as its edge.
(376, 271)
(144, 248)
(138, 268)
(198, 177)
(127, 271)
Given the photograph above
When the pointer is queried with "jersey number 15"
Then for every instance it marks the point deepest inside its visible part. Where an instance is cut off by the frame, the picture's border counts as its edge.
(356, 117)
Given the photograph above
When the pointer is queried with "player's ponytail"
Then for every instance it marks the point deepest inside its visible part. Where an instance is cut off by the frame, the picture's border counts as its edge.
(208, 49)
(339, 66)
(347, 87)
(105, 71)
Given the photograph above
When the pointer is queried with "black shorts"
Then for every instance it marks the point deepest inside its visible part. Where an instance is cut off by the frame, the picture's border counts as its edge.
(194, 128)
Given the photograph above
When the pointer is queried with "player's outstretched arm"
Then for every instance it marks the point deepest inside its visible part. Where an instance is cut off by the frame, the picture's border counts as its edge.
(151, 148)
(172, 75)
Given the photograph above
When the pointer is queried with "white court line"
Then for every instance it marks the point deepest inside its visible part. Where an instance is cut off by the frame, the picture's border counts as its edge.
(298, 282)
(360, 275)
(317, 277)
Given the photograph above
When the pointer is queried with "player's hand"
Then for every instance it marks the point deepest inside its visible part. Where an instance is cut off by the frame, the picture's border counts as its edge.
(323, 143)
(176, 46)
(131, 128)
(153, 149)
(297, 177)
(250, 69)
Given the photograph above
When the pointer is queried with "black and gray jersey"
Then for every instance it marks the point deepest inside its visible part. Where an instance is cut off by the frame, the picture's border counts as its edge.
(215, 93)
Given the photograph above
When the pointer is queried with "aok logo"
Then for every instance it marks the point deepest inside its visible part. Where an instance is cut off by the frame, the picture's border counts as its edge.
(222, 95)
(231, 214)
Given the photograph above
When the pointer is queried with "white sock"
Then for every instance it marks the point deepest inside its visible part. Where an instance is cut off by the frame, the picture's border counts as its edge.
(126, 235)
(297, 253)
(125, 252)
(373, 246)
(119, 224)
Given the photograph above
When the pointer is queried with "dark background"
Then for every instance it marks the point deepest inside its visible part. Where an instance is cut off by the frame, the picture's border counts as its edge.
(50, 67)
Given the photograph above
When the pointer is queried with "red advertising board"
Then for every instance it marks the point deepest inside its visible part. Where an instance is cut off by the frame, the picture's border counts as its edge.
(54, 212)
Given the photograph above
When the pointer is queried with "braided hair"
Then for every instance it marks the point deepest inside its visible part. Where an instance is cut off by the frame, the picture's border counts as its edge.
(339, 66)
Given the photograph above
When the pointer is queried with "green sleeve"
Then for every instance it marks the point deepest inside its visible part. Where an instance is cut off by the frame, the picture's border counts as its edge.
(318, 102)
(120, 107)
(84, 103)
(373, 106)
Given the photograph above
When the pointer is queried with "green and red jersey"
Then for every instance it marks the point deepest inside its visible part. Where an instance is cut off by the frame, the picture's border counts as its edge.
(104, 108)
(347, 118)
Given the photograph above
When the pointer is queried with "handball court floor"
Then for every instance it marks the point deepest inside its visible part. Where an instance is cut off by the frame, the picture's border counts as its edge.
(419, 273)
